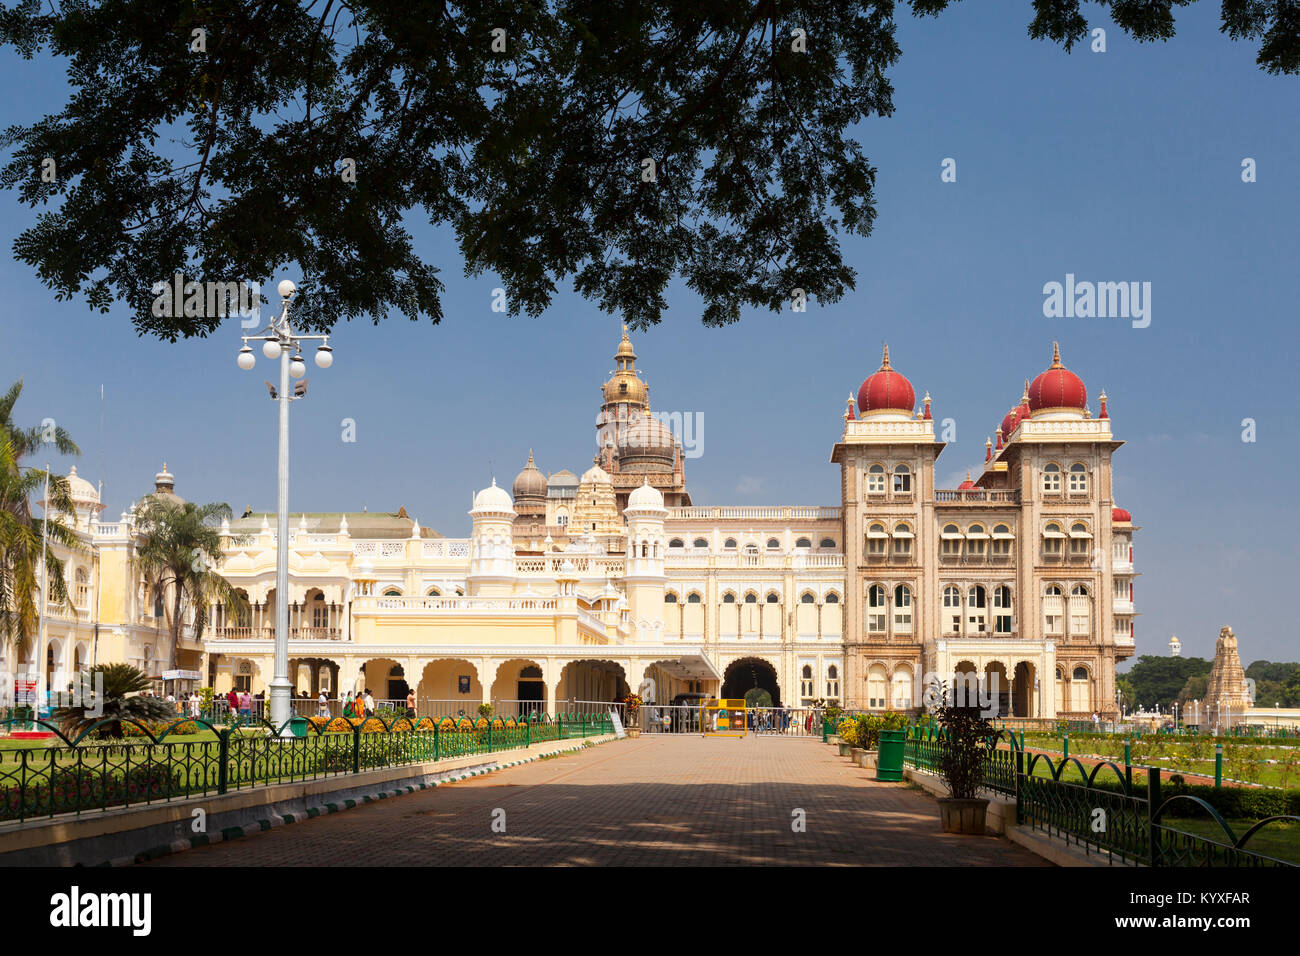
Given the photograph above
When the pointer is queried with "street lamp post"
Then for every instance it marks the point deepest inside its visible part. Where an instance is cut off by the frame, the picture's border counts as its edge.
(278, 339)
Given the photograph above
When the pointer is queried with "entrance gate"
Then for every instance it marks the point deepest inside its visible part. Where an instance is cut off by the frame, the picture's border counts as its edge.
(762, 721)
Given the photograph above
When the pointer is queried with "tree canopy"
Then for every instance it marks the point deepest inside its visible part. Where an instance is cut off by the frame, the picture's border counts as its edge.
(611, 143)
(1158, 681)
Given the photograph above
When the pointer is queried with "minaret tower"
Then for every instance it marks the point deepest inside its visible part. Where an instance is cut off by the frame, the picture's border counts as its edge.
(646, 547)
(625, 399)
(492, 547)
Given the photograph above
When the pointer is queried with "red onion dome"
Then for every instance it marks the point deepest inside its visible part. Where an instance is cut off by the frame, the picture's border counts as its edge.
(1012, 420)
(885, 390)
(1120, 516)
(1058, 387)
(966, 485)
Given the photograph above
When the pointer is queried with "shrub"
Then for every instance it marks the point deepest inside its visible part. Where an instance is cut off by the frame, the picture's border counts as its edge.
(970, 737)
(868, 734)
(156, 728)
(848, 731)
(84, 788)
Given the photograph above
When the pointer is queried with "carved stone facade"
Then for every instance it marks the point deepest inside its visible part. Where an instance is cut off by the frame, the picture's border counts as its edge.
(1227, 695)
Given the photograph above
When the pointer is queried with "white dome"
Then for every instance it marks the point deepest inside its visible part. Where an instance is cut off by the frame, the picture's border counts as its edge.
(645, 498)
(493, 499)
(595, 475)
(80, 489)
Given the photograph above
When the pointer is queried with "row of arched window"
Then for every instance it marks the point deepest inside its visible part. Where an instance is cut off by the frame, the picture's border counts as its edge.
(975, 541)
(807, 685)
(751, 597)
(1075, 479)
(773, 544)
(1054, 538)
(879, 479)
(394, 591)
(1055, 478)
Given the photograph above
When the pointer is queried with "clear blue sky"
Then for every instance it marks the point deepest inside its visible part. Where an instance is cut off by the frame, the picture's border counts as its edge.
(1116, 166)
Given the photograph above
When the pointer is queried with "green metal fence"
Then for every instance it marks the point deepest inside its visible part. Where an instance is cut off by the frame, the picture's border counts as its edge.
(85, 774)
(1100, 811)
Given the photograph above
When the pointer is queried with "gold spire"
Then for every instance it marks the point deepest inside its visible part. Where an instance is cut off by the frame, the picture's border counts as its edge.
(1024, 396)
(884, 362)
(1056, 355)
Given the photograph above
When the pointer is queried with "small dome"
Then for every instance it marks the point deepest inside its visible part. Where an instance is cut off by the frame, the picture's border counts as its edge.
(493, 499)
(1120, 516)
(967, 485)
(595, 475)
(1057, 388)
(1012, 420)
(80, 489)
(885, 391)
(645, 498)
(529, 483)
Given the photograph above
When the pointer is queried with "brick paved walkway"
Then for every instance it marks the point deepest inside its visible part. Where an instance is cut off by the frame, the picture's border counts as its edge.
(658, 801)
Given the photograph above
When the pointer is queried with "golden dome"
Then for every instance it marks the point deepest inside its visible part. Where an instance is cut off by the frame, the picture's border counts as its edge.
(625, 347)
(626, 386)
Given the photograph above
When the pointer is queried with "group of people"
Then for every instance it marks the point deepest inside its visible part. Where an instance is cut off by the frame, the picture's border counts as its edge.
(240, 702)
(355, 705)
(362, 705)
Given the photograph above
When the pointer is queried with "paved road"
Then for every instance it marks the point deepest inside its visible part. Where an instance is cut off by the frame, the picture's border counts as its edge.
(657, 801)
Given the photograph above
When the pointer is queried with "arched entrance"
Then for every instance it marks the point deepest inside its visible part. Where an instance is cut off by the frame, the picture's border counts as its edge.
(1023, 703)
(450, 686)
(519, 688)
(385, 680)
(965, 685)
(748, 673)
(598, 681)
(997, 689)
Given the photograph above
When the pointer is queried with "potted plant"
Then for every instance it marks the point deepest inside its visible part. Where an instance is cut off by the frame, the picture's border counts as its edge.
(967, 739)
(632, 706)
(848, 734)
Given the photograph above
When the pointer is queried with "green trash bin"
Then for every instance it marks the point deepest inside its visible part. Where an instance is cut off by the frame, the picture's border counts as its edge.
(889, 757)
(298, 726)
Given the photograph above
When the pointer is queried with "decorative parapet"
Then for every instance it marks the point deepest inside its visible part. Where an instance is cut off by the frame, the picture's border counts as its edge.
(1088, 429)
(474, 604)
(869, 431)
(756, 513)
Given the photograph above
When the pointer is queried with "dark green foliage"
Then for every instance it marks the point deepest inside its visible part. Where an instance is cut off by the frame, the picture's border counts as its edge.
(21, 532)
(225, 163)
(85, 788)
(1159, 680)
(757, 697)
(968, 738)
(119, 681)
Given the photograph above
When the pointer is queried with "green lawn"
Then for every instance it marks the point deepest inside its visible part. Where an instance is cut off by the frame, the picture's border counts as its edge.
(1279, 840)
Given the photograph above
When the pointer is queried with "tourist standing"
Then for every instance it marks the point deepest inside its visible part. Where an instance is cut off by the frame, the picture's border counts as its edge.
(410, 703)
(323, 704)
(369, 703)
(245, 704)
(232, 703)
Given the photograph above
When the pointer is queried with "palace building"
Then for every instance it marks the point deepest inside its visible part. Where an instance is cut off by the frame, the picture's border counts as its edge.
(586, 588)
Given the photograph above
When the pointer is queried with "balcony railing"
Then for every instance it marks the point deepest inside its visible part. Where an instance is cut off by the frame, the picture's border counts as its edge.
(267, 633)
(977, 496)
(455, 604)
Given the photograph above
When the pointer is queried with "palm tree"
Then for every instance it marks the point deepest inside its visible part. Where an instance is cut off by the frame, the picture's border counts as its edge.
(20, 531)
(177, 556)
(119, 697)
